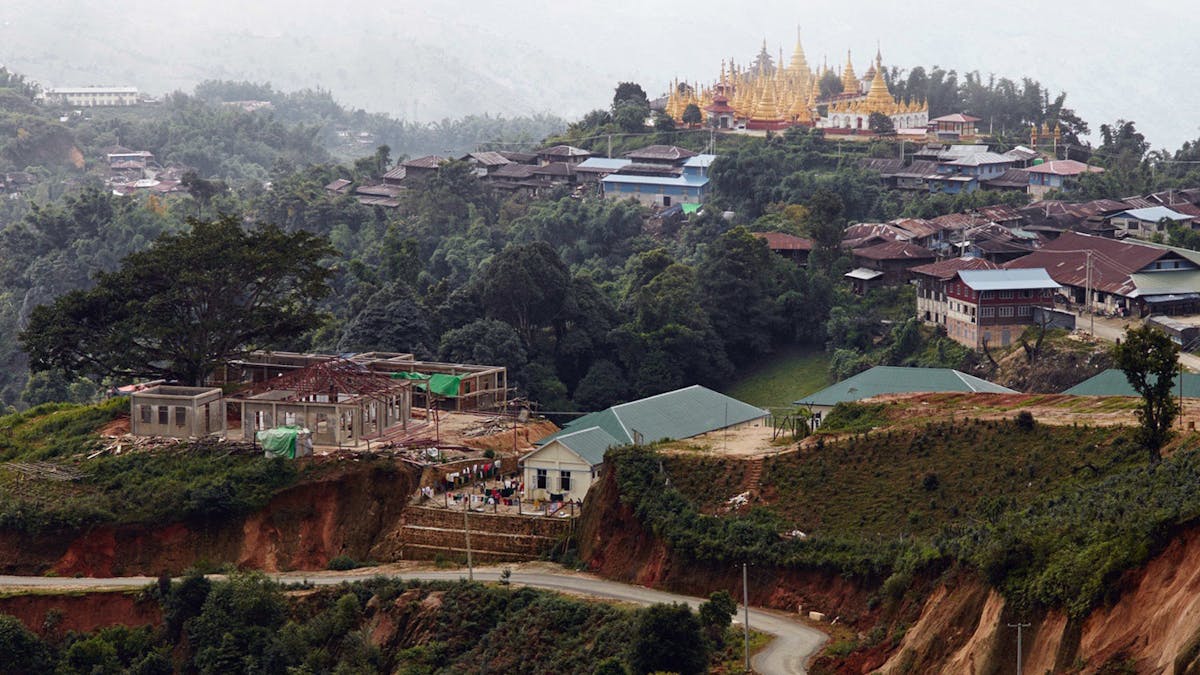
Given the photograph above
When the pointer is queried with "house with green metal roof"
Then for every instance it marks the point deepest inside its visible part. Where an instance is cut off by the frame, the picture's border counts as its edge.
(1112, 382)
(882, 380)
(566, 463)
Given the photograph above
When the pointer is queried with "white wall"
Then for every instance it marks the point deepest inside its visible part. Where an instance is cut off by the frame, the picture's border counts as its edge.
(555, 458)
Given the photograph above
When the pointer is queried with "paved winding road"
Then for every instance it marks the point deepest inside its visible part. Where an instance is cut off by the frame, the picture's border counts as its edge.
(794, 642)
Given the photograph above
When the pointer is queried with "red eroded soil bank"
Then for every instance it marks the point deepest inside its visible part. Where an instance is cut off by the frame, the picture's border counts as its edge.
(349, 512)
(80, 612)
(615, 545)
(960, 624)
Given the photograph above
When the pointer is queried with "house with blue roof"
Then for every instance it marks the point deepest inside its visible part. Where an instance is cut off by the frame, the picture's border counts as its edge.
(660, 176)
(568, 462)
(1147, 222)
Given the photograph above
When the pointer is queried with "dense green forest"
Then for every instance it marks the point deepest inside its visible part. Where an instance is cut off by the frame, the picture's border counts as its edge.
(249, 624)
(588, 302)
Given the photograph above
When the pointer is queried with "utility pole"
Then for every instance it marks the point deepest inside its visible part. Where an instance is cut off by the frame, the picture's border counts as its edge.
(610, 146)
(467, 536)
(1019, 626)
(746, 621)
(1088, 300)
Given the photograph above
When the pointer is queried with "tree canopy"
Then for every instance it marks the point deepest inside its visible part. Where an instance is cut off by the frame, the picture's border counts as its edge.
(185, 304)
(1149, 360)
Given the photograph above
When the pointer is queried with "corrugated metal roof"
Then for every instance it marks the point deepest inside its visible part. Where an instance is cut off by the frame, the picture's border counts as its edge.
(682, 413)
(602, 164)
(1064, 167)
(1167, 282)
(863, 273)
(1154, 214)
(1007, 280)
(946, 269)
(1112, 382)
(899, 380)
(590, 444)
(980, 159)
(702, 160)
(684, 180)
(670, 153)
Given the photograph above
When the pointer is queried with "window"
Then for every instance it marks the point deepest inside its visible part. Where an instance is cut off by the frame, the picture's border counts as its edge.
(1024, 310)
(541, 481)
(1006, 311)
(163, 415)
(564, 481)
(987, 312)
(180, 416)
(1006, 295)
(1026, 293)
(986, 295)
(146, 413)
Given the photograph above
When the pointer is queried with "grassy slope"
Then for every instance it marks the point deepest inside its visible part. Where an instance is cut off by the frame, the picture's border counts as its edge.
(783, 377)
(915, 482)
(186, 481)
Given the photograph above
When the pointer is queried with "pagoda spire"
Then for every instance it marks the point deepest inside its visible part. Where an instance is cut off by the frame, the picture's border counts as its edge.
(849, 80)
(879, 97)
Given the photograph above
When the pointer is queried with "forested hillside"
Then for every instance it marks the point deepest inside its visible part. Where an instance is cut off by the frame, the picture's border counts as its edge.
(587, 301)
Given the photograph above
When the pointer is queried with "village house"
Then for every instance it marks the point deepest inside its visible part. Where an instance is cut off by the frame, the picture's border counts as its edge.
(788, 246)
(485, 163)
(893, 261)
(1147, 222)
(957, 126)
(1126, 277)
(932, 279)
(567, 463)
(661, 176)
(993, 307)
(1053, 175)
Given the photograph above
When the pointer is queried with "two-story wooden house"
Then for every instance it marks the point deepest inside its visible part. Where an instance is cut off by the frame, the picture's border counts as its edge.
(993, 307)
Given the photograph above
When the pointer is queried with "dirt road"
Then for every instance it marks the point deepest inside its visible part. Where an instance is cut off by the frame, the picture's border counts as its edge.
(794, 642)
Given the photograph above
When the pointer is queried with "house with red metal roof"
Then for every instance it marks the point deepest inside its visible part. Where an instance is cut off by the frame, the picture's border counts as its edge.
(1120, 276)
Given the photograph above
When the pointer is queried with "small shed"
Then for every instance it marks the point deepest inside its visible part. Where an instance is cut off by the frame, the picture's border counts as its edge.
(177, 412)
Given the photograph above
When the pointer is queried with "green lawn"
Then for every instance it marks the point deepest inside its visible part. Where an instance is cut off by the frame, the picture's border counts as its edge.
(782, 377)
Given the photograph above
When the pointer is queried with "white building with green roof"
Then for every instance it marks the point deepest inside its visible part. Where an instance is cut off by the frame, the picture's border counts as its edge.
(566, 463)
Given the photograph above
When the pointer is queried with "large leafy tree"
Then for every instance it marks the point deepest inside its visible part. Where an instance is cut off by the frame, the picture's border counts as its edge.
(185, 304)
(525, 285)
(1149, 360)
(669, 640)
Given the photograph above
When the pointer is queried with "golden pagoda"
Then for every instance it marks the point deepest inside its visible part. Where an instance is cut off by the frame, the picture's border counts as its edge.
(849, 80)
(766, 113)
(879, 97)
(798, 69)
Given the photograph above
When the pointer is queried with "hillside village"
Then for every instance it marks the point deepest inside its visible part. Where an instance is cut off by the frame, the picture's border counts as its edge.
(679, 337)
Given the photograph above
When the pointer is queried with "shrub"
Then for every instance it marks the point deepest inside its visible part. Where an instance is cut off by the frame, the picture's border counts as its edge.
(1025, 421)
(342, 563)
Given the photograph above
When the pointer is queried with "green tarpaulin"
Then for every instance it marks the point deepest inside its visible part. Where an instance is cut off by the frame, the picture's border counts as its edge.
(442, 385)
(280, 441)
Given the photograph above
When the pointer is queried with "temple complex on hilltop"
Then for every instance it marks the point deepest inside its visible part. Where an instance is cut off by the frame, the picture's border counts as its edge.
(767, 94)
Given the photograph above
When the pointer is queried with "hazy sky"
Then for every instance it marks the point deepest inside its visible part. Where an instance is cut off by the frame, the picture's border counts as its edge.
(434, 58)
